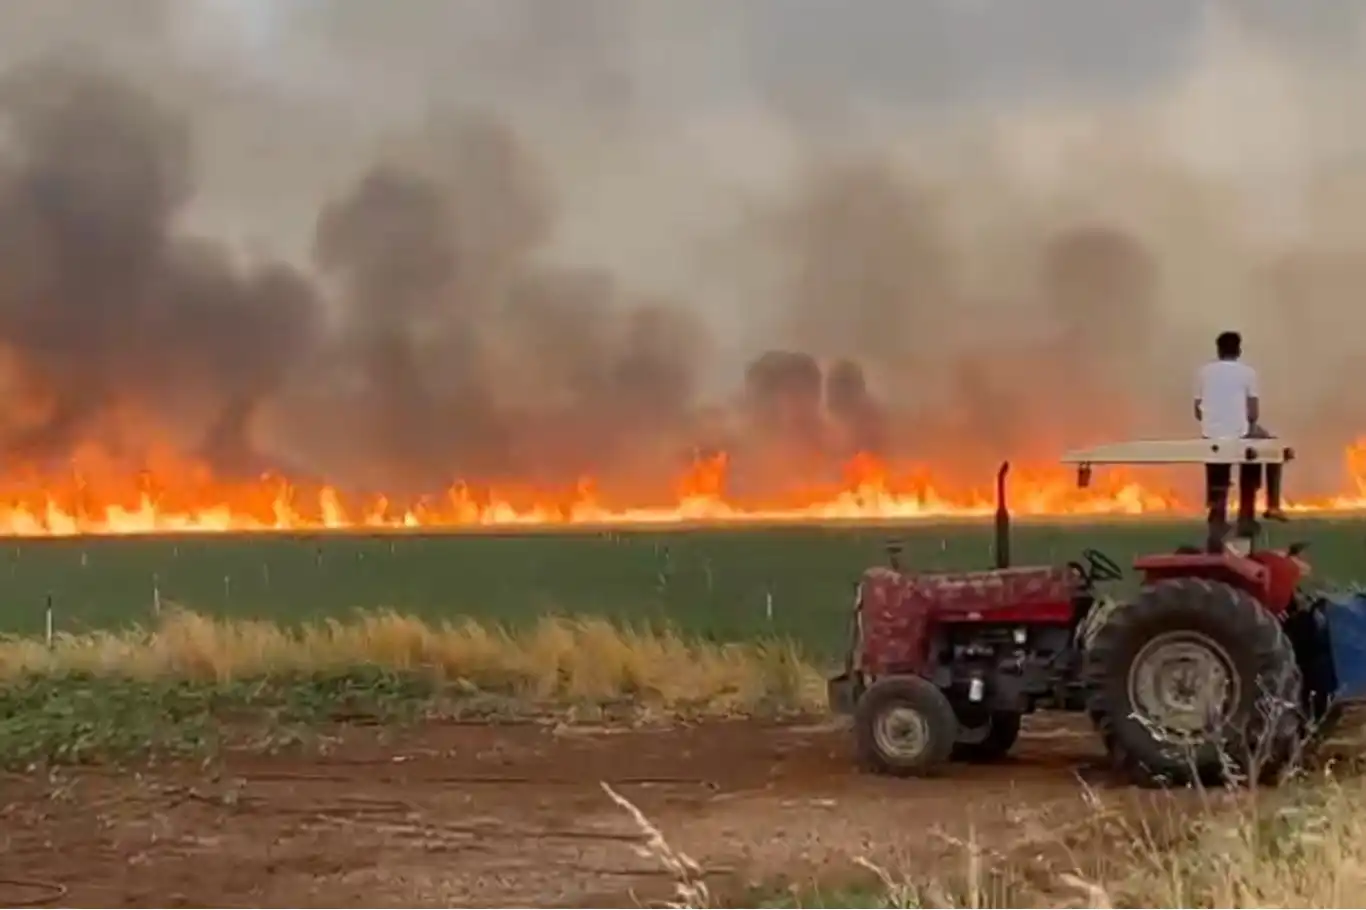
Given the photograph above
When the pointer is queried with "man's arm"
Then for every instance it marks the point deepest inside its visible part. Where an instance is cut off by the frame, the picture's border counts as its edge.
(1254, 401)
(1199, 392)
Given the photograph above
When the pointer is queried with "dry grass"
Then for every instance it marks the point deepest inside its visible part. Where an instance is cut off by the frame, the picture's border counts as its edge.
(557, 659)
(1304, 846)
(1300, 846)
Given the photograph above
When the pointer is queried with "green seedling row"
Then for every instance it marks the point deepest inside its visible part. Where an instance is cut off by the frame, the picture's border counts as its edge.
(719, 584)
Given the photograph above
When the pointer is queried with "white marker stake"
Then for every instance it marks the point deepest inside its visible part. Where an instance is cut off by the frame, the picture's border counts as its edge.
(768, 604)
(49, 633)
(156, 595)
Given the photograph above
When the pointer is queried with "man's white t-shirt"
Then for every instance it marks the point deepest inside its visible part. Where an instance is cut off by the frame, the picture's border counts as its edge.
(1223, 387)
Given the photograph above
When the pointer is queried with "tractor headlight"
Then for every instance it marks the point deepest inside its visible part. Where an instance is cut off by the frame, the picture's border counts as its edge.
(1021, 636)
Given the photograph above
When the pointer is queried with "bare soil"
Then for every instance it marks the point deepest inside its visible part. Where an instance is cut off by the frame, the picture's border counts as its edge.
(480, 816)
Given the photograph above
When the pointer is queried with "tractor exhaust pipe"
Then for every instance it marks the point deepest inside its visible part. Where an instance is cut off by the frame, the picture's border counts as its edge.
(1002, 519)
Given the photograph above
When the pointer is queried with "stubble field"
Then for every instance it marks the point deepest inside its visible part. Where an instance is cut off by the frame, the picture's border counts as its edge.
(414, 720)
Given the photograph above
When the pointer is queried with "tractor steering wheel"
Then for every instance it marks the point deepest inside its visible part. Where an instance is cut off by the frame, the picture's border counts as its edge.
(1103, 568)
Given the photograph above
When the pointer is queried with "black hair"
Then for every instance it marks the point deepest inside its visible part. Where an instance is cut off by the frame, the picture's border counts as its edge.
(1229, 345)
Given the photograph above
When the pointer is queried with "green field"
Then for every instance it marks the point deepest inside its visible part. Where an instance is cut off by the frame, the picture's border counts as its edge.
(716, 583)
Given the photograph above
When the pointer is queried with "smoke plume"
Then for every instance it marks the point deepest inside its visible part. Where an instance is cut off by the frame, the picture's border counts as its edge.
(368, 244)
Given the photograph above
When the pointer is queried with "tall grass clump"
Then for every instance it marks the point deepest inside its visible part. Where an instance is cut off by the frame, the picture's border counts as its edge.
(1303, 845)
(556, 659)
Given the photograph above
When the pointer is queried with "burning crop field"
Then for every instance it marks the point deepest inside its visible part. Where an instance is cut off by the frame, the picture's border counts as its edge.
(372, 371)
(461, 340)
(94, 549)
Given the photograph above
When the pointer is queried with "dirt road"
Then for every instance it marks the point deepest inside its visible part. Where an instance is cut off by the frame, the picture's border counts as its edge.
(494, 816)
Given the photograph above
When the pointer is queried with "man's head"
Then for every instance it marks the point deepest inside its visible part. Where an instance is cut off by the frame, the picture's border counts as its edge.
(1229, 345)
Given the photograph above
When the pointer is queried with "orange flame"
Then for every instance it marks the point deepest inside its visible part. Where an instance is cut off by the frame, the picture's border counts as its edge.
(174, 498)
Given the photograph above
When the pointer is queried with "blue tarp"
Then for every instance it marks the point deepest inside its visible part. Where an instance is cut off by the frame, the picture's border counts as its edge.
(1346, 618)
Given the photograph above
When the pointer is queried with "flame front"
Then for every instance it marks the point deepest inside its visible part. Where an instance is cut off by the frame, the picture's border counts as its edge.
(184, 499)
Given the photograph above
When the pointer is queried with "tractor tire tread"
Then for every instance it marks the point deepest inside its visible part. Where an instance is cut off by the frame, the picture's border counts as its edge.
(1263, 659)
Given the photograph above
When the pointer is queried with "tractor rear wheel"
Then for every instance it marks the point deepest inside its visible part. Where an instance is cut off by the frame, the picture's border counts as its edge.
(1002, 729)
(1191, 681)
(903, 725)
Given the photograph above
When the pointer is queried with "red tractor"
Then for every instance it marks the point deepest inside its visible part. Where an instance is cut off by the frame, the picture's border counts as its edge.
(1219, 662)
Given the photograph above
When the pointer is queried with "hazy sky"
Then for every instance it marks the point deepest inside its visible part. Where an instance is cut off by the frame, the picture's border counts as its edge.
(893, 48)
(658, 117)
(291, 97)
(928, 48)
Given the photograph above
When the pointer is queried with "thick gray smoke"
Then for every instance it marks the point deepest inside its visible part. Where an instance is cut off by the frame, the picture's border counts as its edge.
(104, 306)
(520, 247)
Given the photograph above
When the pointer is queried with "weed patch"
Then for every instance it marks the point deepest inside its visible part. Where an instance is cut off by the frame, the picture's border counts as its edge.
(182, 686)
(81, 718)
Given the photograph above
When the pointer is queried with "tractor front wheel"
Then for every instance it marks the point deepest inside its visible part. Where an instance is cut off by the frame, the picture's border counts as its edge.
(904, 726)
(1193, 680)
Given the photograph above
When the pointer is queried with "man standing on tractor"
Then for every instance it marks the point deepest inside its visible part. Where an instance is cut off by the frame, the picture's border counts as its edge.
(1228, 406)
